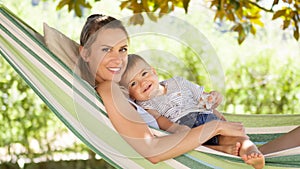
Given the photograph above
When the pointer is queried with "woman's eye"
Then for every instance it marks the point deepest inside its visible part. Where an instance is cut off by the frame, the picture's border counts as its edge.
(106, 49)
(123, 50)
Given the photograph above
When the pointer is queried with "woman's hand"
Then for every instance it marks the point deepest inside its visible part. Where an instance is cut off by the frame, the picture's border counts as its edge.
(225, 128)
(232, 129)
(218, 127)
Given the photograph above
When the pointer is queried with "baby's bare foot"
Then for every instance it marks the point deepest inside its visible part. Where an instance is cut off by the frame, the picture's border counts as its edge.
(254, 158)
(236, 150)
(232, 149)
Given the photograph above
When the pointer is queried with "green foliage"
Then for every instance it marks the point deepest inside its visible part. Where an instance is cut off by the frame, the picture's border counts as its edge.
(75, 5)
(26, 122)
(244, 15)
(263, 85)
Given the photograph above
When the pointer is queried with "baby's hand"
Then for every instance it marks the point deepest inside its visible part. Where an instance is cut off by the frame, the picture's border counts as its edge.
(206, 101)
(216, 99)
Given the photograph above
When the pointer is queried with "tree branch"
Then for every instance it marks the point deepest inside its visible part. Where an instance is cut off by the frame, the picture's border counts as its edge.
(260, 7)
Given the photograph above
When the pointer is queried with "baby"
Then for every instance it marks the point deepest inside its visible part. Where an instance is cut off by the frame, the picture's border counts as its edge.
(185, 103)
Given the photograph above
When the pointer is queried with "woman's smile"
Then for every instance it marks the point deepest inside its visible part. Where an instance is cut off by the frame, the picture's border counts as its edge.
(115, 70)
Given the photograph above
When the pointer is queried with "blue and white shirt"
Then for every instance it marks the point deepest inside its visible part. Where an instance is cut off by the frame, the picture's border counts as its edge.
(181, 98)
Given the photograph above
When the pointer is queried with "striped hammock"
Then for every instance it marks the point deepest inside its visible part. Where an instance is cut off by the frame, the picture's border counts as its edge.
(78, 106)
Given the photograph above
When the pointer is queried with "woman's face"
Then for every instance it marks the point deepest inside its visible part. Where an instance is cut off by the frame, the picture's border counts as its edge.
(108, 55)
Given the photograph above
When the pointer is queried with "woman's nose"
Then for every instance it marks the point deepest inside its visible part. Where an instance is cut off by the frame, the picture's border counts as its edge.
(117, 55)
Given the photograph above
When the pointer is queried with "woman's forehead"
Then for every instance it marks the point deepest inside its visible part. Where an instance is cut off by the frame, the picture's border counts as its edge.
(112, 37)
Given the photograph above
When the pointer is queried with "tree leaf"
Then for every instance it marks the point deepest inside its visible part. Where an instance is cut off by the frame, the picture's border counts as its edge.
(61, 4)
(230, 16)
(275, 2)
(137, 19)
(237, 27)
(252, 29)
(296, 34)
(214, 3)
(124, 4)
(296, 30)
(286, 23)
(186, 5)
(164, 9)
(145, 5)
(257, 22)
(279, 13)
(87, 5)
(77, 9)
(239, 13)
(288, 1)
(152, 16)
(242, 36)
(219, 14)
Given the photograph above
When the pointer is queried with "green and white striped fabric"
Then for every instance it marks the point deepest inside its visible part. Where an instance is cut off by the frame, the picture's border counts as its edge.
(78, 106)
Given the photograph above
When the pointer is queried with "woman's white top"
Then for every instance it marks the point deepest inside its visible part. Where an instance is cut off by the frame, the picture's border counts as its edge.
(148, 118)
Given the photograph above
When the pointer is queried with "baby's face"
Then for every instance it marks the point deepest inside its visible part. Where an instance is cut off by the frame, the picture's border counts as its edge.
(144, 85)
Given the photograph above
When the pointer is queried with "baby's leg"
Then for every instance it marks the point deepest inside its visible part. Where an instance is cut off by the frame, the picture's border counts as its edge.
(229, 149)
(219, 143)
(248, 150)
(251, 155)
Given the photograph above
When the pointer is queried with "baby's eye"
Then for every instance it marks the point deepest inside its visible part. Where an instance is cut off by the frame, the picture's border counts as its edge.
(144, 73)
(132, 84)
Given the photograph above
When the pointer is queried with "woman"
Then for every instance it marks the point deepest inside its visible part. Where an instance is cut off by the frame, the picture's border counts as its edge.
(103, 50)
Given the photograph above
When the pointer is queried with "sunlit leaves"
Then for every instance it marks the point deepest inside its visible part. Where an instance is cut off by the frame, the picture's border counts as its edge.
(266, 88)
(241, 32)
(245, 12)
(238, 12)
(290, 18)
(75, 5)
(245, 15)
(23, 116)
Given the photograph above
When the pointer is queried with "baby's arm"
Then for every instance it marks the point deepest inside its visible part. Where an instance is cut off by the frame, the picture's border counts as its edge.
(219, 115)
(167, 125)
(210, 100)
(217, 98)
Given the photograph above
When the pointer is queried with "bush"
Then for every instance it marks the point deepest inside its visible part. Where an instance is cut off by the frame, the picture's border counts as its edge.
(263, 85)
(28, 128)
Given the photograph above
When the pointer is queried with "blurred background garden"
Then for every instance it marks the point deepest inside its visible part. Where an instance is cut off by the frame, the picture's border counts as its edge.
(261, 76)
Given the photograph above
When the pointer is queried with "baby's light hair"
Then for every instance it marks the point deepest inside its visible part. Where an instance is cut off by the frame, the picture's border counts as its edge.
(133, 61)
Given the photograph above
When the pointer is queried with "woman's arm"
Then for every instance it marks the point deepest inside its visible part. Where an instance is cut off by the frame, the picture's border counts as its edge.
(167, 125)
(134, 130)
